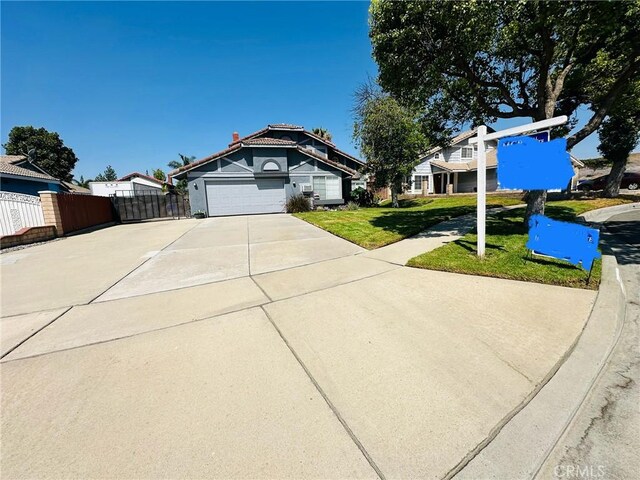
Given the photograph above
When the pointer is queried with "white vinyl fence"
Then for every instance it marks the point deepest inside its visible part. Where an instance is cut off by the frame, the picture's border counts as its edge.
(18, 211)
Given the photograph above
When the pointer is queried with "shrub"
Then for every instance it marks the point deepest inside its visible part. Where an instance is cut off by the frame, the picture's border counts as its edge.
(363, 197)
(298, 203)
(352, 206)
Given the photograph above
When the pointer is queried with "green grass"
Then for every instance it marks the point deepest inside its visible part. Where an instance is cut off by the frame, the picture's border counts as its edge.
(378, 226)
(506, 254)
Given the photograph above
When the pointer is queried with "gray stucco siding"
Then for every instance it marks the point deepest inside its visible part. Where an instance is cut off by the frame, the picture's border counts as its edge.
(263, 155)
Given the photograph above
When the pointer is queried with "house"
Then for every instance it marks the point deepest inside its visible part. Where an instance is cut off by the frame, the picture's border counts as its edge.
(457, 166)
(259, 172)
(133, 184)
(19, 175)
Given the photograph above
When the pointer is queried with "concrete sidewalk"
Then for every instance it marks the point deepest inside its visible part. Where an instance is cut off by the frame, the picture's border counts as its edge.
(332, 366)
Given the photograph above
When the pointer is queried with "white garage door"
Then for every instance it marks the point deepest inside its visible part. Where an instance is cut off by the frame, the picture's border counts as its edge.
(239, 197)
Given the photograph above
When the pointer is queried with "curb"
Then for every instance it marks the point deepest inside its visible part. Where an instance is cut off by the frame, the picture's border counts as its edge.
(523, 446)
(603, 214)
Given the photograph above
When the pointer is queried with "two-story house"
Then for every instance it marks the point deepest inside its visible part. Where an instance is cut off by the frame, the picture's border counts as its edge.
(454, 165)
(457, 165)
(259, 172)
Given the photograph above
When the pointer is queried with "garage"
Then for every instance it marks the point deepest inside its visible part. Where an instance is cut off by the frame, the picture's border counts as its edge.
(245, 196)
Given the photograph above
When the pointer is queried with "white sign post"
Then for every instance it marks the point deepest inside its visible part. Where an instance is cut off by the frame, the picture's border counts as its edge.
(481, 139)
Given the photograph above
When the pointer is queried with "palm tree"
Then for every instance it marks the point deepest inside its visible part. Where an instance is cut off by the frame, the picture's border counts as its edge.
(181, 186)
(322, 133)
(183, 162)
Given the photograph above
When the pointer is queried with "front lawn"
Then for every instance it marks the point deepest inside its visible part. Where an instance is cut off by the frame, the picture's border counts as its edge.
(378, 226)
(506, 254)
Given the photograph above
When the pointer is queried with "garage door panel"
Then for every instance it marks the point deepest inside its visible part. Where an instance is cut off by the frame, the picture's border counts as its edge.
(240, 197)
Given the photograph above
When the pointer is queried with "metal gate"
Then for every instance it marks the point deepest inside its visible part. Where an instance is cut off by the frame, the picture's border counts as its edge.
(134, 206)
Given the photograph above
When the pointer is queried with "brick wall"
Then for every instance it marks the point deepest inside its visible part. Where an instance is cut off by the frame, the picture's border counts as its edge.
(28, 235)
(70, 212)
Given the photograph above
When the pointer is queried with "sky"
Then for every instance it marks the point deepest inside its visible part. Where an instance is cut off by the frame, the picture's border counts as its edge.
(132, 84)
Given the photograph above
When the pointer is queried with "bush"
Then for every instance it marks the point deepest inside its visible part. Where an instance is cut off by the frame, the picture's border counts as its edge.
(298, 203)
(363, 197)
(352, 206)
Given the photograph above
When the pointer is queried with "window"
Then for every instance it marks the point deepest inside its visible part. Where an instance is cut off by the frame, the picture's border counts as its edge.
(417, 182)
(327, 188)
(467, 153)
(270, 166)
(436, 156)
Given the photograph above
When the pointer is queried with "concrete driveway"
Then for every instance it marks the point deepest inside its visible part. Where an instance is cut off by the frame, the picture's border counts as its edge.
(260, 347)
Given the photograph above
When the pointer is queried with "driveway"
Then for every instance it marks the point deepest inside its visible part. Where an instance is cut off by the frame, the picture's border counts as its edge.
(260, 347)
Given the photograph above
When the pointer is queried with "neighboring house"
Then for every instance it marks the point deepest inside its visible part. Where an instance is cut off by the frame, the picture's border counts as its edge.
(133, 184)
(19, 175)
(73, 188)
(257, 173)
(457, 165)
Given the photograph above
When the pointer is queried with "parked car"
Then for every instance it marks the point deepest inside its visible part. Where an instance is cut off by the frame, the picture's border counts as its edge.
(630, 180)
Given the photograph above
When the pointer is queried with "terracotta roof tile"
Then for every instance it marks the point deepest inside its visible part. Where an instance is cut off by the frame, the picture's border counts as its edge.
(269, 141)
(141, 175)
(287, 126)
(337, 165)
(202, 161)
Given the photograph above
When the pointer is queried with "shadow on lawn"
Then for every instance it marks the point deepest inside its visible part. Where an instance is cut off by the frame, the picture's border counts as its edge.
(408, 222)
(473, 246)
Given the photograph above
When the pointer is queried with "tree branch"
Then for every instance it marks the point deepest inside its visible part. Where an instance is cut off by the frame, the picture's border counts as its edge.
(605, 104)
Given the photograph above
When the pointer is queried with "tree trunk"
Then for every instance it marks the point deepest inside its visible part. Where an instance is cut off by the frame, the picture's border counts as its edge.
(394, 197)
(535, 204)
(612, 189)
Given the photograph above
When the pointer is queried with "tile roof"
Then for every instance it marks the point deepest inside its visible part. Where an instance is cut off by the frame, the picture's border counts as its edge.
(232, 148)
(11, 169)
(269, 141)
(141, 175)
(12, 158)
(337, 165)
(287, 126)
(72, 187)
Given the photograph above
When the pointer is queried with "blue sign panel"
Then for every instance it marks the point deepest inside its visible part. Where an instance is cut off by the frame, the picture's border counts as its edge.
(541, 136)
(529, 164)
(566, 241)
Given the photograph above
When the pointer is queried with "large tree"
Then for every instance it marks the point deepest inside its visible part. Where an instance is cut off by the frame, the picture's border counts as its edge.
(46, 149)
(109, 175)
(619, 134)
(470, 61)
(389, 138)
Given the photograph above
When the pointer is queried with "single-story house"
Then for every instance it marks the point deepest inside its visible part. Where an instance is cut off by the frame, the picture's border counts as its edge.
(132, 184)
(19, 175)
(259, 172)
(457, 165)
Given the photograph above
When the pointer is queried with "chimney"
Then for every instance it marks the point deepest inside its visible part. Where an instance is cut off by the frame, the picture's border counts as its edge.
(236, 137)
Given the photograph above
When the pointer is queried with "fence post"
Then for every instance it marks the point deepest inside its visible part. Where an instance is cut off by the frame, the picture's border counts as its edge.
(51, 210)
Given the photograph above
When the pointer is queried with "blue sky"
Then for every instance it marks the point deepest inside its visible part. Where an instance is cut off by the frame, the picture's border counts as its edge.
(134, 84)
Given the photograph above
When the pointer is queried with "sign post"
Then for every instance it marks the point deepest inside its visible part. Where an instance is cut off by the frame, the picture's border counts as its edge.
(482, 190)
(481, 139)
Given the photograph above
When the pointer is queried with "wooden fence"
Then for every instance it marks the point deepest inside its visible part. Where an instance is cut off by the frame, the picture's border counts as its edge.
(83, 211)
(19, 211)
